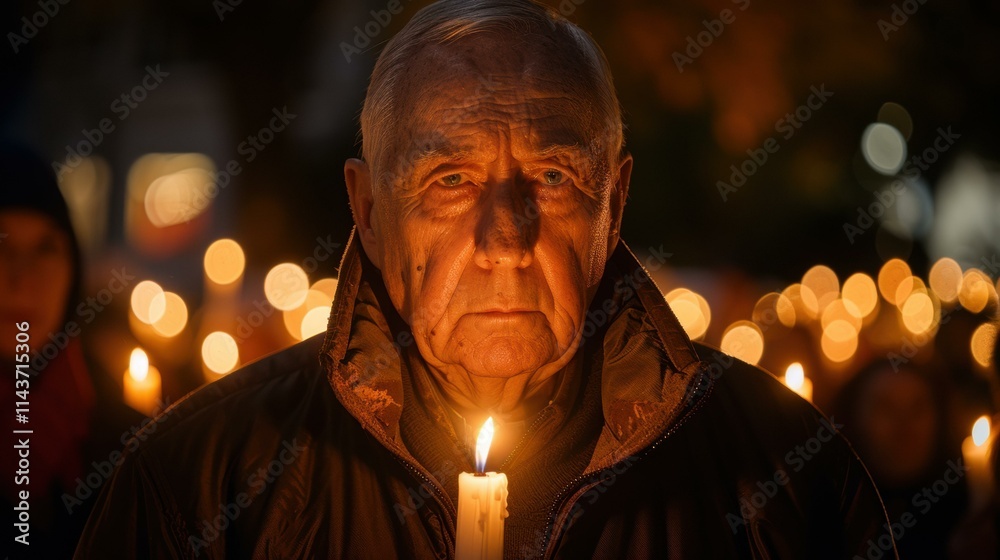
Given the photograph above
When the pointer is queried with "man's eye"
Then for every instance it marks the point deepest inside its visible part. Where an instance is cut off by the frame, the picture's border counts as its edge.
(553, 177)
(452, 180)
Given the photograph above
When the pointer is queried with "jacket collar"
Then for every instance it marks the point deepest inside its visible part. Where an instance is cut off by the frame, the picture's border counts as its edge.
(650, 375)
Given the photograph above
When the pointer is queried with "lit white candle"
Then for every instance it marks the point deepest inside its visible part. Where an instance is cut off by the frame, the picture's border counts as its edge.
(142, 384)
(796, 380)
(482, 506)
(976, 453)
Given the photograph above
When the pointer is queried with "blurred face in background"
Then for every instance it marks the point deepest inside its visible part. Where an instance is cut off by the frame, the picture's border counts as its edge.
(898, 421)
(36, 272)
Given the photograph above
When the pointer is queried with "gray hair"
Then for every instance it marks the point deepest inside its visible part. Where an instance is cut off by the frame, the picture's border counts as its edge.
(446, 21)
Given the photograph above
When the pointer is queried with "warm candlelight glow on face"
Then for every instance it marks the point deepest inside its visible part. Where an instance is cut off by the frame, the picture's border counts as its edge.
(483, 444)
(794, 376)
(138, 365)
(981, 431)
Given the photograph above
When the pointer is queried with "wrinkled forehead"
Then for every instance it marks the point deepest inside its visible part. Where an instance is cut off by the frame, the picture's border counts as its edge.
(481, 90)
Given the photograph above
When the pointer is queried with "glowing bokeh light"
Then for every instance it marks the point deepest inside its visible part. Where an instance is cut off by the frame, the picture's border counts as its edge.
(175, 316)
(908, 287)
(220, 353)
(839, 341)
(743, 340)
(945, 279)
(823, 282)
(294, 318)
(327, 286)
(692, 311)
(148, 302)
(861, 291)
(842, 310)
(178, 197)
(884, 148)
(286, 286)
(917, 313)
(976, 291)
(774, 307)
(893, 273)
(803, 300)
(224, 261)
(315, 321)
(983, 344)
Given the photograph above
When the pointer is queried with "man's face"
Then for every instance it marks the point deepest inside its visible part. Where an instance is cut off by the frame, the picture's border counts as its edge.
(495, 209)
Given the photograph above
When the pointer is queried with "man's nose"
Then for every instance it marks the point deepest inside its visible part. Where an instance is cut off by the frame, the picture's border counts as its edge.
(506, 233)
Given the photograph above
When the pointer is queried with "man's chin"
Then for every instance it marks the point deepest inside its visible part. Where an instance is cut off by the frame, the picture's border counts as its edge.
(505, 357)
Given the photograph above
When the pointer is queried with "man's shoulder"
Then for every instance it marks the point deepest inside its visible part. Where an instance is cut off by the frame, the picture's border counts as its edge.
(732, 374)
(749, 396)
(274, 380)
(271, 396)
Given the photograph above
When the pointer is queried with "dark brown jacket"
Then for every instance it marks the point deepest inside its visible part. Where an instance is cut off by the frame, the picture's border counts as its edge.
(699, 455)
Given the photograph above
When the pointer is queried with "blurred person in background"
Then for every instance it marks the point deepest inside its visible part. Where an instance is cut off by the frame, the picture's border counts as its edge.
(895, 416)
(77, 415)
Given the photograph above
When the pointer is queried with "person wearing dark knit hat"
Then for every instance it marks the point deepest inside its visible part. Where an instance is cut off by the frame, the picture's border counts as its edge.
(69, 408)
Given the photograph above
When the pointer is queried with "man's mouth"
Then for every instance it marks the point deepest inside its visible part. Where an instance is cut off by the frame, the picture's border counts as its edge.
(507, 310)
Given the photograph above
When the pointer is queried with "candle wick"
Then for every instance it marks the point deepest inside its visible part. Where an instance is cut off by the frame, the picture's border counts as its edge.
(479, 474)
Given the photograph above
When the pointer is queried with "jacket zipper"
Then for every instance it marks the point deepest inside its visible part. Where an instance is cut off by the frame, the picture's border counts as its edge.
(565, 493)
(440, 496)
(542, 415)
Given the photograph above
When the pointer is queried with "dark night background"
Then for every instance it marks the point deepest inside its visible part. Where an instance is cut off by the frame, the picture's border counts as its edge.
(685, 128)
(918, 68)
(229, 65)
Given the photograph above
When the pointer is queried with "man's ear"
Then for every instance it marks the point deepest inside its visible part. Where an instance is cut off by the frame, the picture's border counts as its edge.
(618, 197)
(358, 178)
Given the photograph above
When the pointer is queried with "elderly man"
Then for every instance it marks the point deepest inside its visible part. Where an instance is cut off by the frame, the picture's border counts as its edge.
(486, 277)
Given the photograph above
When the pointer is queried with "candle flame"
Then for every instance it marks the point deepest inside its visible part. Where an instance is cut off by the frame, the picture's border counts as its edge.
(981, 430)
(794, 376)
(483, 444)
(138, 365)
